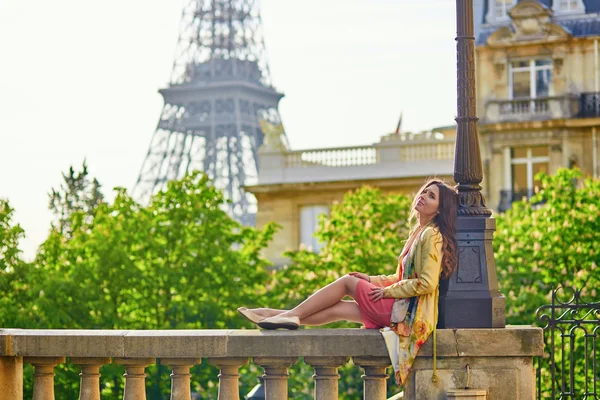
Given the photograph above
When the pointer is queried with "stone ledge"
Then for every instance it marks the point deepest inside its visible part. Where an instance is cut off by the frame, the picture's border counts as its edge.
(518, 341)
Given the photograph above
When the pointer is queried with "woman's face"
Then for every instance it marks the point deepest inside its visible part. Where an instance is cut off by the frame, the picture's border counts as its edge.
(428, 202)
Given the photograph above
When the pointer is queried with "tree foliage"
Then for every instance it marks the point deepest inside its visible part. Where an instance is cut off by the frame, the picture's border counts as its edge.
(78, 193)
(552, 240)
(365, 233)
(179, 263)
(15, 277)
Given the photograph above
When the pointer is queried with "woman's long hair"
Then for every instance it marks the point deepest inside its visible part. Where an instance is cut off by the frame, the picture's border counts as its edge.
(445, 222)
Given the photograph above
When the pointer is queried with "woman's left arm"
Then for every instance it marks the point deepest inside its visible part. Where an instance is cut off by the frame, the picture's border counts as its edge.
(428, 275)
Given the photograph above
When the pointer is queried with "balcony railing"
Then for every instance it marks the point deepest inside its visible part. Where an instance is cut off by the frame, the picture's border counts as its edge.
(428, 152)
(325, 350)
(433, 150)
(332, 157)
(589, 105)
(532, 109)
(393, 157)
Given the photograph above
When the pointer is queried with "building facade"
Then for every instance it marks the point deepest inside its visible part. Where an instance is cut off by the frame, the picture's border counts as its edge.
(537, 76)
(296, 186)
(538, 90)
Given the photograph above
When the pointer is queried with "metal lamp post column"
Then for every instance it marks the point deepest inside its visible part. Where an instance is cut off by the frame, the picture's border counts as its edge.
(470, 297)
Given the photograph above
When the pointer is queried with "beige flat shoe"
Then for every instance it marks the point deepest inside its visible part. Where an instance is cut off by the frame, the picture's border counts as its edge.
(250, 315)
(278, 322)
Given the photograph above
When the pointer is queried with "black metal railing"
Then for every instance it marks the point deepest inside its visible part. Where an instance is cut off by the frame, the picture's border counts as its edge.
(507, 197)
(571, 324)
(589, 105)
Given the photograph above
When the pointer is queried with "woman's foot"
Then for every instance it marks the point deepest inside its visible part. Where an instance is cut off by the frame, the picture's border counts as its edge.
(250, 315)
(280, 322)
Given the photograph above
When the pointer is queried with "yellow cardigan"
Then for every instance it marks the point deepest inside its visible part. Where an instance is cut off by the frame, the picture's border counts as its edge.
(421, 281)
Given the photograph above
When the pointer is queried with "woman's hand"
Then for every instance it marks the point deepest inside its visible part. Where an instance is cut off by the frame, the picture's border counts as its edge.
(376, 294)
(360, 275)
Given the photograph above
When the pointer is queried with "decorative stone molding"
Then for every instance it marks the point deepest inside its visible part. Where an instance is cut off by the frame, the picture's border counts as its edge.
(530, 21)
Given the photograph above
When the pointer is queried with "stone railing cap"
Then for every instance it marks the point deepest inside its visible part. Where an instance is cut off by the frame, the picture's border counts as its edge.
(518, 341)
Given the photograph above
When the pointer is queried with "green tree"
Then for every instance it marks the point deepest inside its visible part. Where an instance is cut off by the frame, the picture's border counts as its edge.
(14, 272)
(179, 263)
(552, 240)
(365, 232)
(549, 242)
(78, 193)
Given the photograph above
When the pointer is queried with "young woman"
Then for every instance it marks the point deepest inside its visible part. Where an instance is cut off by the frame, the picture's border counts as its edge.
(405, 301)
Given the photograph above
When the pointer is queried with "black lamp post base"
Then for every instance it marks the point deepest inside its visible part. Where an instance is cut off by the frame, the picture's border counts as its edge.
(472, 309)
(470, 298)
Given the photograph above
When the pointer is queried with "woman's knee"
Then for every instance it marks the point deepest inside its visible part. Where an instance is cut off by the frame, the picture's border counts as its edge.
(349, 282)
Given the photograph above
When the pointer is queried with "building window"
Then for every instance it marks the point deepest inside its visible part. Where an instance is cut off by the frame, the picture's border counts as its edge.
(502, 7)
(568, 6)
(530, 78)
(526, 163)
(309, 222)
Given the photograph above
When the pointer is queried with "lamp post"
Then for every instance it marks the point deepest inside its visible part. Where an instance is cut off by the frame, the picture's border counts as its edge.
(470, 297)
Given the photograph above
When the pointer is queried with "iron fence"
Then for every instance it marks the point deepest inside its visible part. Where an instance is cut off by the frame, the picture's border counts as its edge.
(571, 324)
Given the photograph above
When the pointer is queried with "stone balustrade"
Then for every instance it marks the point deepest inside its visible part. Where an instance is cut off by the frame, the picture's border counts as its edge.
(331, 157)
(394, 157)
(505, 354)
(541, 108)
(407, 150)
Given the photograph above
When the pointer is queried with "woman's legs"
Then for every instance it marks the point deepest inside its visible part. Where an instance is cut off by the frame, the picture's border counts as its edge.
(324, 298)
(344, 310)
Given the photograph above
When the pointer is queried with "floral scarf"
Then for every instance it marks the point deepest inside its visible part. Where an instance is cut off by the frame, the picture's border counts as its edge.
(409, 328)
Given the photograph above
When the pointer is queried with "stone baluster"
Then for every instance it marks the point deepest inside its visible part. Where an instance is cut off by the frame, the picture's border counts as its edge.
(89, 387)
(135, 377)
(276, 375)
(326, 376)
(375, 376)
(43, 378)
(228, 377)
(180, 376)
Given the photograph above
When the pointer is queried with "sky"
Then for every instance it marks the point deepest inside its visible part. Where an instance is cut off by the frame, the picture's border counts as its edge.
(79, 81)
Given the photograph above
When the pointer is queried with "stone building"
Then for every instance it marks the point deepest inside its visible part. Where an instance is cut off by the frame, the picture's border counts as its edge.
(538, 73)
(538, 90)
(296, 186)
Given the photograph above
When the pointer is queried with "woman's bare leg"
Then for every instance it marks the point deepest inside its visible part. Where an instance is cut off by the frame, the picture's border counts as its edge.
(345, 310)
(324, 298)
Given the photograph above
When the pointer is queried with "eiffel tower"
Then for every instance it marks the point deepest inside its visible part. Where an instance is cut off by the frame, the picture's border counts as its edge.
(219, 102)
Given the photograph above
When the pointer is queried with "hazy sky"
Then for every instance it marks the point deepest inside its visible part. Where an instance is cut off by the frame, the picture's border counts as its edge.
(79, 80)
